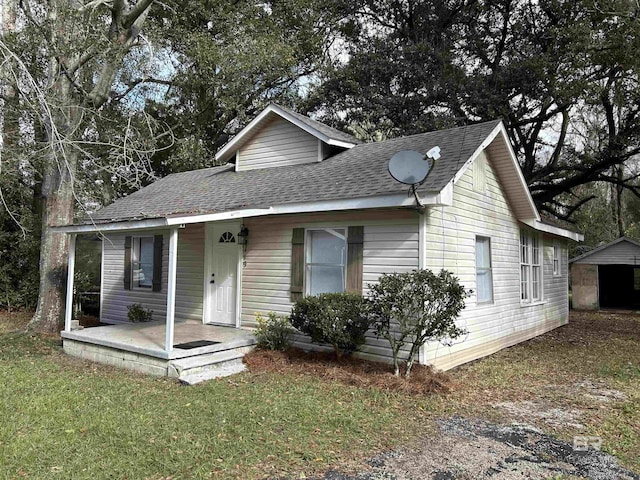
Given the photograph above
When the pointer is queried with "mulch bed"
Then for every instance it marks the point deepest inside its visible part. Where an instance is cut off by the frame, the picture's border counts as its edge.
(348, 371)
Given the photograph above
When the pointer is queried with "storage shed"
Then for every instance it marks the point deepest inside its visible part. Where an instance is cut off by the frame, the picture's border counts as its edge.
(607, 276)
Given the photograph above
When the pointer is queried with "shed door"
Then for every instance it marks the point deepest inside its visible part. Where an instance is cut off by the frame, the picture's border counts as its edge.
(619, 286)
(222, 283)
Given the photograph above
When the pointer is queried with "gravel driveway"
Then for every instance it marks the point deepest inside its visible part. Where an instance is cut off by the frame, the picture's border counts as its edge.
(475, 449)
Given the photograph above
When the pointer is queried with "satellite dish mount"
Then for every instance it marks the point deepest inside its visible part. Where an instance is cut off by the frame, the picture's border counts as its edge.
(412, 168)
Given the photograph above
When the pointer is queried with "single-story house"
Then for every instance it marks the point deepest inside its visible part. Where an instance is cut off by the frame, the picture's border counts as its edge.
(300, 208)
(607, 276)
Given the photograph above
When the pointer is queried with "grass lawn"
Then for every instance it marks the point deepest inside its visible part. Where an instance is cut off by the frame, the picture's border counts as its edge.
(64, 418)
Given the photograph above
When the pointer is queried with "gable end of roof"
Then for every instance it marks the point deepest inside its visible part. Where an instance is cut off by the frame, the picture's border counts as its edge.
(322, 132)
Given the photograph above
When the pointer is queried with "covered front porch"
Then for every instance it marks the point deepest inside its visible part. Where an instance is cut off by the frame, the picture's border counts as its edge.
(190, 286)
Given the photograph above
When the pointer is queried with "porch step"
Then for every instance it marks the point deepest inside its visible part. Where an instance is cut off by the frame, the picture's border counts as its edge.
(208, 366)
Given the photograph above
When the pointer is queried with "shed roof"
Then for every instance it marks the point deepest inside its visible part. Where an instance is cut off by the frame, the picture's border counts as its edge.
(621, 251)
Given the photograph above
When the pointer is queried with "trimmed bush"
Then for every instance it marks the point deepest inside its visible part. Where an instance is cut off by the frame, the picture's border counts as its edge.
(337, 319)
(415, 307)
(273, 332)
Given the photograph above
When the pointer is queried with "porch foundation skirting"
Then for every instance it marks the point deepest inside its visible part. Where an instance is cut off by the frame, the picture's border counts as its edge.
(137, 362)
(139, 348)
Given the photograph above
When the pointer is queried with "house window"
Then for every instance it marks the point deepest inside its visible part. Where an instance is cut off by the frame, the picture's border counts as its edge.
(556, 258)
(530, 268)
(484, 280)
(142, 262)
(325, 260)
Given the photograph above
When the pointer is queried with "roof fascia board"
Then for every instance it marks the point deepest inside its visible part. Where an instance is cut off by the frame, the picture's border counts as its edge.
(485, 143)
(225, 151)
(339, 143)
(561, 232)
(442, 198)
(382, 201)
(514, 159)
(113, 226)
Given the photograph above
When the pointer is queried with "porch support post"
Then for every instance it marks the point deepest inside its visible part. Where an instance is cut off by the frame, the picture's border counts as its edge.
(71, 266)
(422, 263)
(171, 288)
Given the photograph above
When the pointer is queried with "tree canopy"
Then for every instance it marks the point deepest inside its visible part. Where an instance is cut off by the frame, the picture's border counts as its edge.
(562, 74)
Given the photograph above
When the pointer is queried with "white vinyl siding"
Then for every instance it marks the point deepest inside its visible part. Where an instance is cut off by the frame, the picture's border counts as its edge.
(189, 278)
(390, 244)
(479, 173)
(451, 243)
(277, 144)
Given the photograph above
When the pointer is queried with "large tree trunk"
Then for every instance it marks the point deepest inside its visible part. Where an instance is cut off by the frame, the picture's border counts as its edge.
(58, 210)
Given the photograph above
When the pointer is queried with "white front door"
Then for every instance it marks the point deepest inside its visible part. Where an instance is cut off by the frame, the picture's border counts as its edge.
(222, 243)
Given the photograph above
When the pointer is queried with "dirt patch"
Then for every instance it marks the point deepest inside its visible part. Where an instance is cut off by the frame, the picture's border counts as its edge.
(348, 371)
(587, 327)
(474, 449)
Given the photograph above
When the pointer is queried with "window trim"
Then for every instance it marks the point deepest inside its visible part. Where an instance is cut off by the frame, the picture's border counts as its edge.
(527, 266)
(556, 259)
(308, 265)
(488, 269)
(135, 255)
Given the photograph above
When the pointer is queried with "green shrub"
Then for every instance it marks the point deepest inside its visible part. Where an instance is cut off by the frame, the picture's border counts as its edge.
(273, 332)
(415, 307)
(137, 313)
(337, 319)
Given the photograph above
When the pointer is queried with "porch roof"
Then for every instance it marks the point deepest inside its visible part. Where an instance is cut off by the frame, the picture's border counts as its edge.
(357, 173)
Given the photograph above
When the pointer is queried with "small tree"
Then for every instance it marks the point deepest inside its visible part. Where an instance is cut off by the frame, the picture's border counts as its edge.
(337, 319)
(413, 308)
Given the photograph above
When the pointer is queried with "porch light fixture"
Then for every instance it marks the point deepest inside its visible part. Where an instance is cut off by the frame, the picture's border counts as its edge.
(243, 236)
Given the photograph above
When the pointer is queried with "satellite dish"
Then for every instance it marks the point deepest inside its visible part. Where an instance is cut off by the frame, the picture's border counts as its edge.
(409, 167)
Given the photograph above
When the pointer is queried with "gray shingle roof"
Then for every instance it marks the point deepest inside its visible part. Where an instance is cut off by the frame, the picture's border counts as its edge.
(355, 173)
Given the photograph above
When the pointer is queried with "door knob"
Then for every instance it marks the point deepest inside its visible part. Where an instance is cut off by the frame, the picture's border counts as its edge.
(212, 280)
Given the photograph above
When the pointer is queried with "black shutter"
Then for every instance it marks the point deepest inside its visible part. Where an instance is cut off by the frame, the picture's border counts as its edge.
(127, 263)
(355, 240)
(157, 263)
(297, 264)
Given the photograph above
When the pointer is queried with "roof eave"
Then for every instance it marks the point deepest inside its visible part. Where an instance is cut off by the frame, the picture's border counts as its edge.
(545, 227)
(400, 200)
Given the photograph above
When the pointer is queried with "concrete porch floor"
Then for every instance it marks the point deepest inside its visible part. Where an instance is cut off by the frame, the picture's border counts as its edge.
(148, 338)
